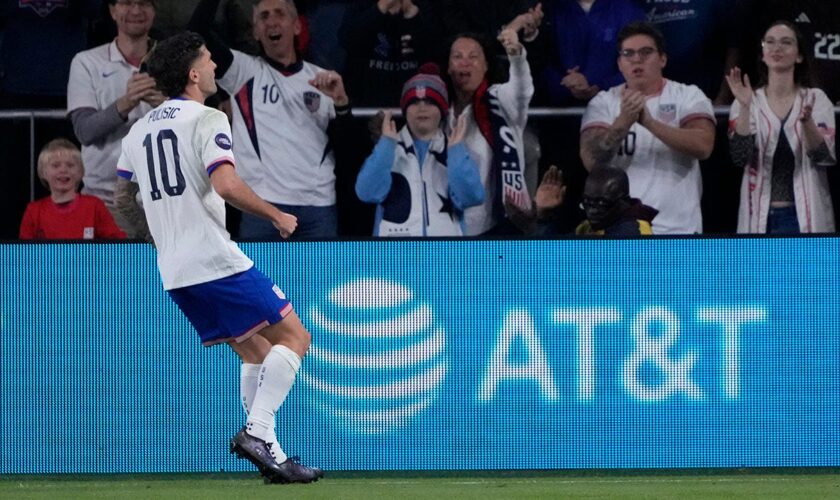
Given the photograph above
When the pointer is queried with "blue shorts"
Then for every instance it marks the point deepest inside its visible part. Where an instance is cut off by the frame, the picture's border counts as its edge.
(232, 308)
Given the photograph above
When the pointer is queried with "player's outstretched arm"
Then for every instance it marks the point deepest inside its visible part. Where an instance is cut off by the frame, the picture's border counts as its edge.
(125, 200)
(234, 191)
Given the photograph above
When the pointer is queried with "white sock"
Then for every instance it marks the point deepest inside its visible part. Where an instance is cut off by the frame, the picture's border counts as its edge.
(277, 375)
(249, 377)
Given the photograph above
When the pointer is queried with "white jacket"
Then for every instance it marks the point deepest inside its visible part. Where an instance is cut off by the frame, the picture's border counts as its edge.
(514, 97)
(419, 200)
(810, 181)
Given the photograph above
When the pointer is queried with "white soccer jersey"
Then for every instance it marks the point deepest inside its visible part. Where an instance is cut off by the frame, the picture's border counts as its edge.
(661, 177)
(171, 153)
(279, 132)
(98, 77)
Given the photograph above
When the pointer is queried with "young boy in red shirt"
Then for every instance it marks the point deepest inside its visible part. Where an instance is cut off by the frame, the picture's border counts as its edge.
(65, 214)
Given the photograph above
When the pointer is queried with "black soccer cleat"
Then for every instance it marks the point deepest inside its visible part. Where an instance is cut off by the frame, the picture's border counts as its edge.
(293, 472)
(256, 451)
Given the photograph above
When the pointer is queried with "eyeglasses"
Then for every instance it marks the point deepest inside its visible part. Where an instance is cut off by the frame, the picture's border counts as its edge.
(783, 43)
(643, 53)
(143, 4)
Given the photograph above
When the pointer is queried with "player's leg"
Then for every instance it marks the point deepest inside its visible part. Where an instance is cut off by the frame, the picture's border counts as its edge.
(251, 355)
(247, 444)
(289, 332)
(270, 371)
(276, 377)
(232, 310)
(290, 341)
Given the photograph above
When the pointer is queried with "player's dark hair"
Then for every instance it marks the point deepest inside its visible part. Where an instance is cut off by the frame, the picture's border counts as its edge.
(170, 61)
(801, 70)
(642, 28)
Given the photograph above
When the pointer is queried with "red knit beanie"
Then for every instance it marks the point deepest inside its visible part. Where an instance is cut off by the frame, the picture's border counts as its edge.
(426, 84)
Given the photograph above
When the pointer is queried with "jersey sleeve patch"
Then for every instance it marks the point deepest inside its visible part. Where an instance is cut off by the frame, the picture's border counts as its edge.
(223, 141)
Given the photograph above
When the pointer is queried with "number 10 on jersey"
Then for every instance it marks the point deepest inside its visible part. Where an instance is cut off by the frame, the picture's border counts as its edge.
(180, 184)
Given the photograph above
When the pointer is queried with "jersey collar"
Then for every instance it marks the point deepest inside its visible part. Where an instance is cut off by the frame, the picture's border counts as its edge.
(289, 70)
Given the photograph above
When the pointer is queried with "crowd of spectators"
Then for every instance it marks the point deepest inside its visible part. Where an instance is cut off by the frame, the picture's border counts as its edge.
(647, 72)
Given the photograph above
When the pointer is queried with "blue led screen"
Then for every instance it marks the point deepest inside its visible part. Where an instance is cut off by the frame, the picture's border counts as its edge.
(653, 353)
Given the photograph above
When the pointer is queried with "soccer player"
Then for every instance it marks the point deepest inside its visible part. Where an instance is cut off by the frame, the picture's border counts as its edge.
(654, 128)
(178, 156)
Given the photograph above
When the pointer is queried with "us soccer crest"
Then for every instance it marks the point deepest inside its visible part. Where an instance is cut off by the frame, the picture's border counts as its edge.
(312, 100)
(667, 112)
(43, 7)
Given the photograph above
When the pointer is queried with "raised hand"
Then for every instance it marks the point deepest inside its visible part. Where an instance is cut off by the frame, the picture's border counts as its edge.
(332, 85)
(389, 6)
(740, 86)
(459, 130)
(409, 9)
(524, 220)
(535, 17)
(578, 85)
(285, 223)
(807, 110)
(154, 98)
(552, 192)
(510, 41)
(632, 105)
(389, 128)
(138, 87)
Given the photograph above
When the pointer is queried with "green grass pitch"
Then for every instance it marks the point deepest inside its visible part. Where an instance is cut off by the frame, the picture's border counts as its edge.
(657, 484)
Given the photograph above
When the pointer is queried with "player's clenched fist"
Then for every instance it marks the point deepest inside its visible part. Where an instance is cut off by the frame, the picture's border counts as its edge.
(286, 224)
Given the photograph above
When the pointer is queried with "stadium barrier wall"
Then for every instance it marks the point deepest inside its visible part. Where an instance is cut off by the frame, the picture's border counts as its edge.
(438, 354)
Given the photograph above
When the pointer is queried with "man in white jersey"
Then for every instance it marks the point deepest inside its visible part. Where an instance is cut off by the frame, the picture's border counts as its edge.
(107, 93)
(178, 156)
(282, 107)
(655, 129)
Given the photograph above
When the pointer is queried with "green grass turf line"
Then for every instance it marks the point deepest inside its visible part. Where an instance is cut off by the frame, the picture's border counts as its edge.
(450, 486)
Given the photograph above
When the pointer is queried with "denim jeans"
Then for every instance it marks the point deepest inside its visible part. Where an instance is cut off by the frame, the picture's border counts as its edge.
(313, 223)
(782, 221)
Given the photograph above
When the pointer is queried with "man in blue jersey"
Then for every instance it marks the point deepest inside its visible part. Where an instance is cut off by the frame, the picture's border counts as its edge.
(178, 157)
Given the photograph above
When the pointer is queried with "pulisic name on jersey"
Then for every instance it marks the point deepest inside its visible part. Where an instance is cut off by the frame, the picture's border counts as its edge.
(164, 113)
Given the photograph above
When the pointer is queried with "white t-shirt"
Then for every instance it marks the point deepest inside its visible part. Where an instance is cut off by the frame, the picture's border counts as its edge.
(659, 176)
(98, 77)
(186, 141)
(280, 132)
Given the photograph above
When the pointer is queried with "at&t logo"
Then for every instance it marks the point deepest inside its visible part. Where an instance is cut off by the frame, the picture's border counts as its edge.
(378, 356)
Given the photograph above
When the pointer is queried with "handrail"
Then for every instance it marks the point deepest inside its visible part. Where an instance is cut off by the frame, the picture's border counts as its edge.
(61, 114)
(542, 112)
